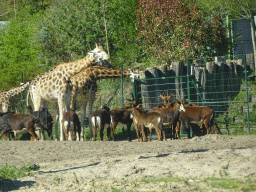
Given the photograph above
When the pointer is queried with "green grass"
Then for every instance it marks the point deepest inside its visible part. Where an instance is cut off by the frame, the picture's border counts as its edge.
(162, 179)
(227, 183)
(119, 134)
(238, 132)
(13, 172)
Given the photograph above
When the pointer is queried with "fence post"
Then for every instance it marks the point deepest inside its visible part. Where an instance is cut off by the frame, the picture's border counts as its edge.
(188, 88)
(22, 94)
(247, 96)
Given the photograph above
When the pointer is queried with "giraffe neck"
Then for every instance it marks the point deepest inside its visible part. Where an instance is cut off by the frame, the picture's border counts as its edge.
(72, 68)
(16, 90)
(109, 73)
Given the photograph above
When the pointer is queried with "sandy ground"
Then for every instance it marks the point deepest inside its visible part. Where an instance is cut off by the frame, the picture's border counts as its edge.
(120, 165)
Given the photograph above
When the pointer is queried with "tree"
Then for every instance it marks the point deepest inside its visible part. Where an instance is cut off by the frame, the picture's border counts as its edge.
(122, 31)
(175, 29)
(10, 8)
(72, 28)
(19, 50)
(236, 9)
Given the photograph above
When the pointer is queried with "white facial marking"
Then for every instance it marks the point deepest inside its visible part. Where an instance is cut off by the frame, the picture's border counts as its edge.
(182, 108)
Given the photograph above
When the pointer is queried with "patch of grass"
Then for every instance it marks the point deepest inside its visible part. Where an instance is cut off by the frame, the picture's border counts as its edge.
(93, 183)
(113, 189)
(75, 178)
(57, 178)
(48, 175)
(119, 134)
(13, 172)
(162, 179)
(223, 173)
(43, 167)
(227, 183)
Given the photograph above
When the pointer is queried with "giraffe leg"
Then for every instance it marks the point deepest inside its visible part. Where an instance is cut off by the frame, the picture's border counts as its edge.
(92, 93)
(5, 106)
(61, 113)
(82, 120)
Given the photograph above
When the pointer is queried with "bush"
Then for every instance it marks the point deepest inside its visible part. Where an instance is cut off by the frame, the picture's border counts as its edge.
(13, 172)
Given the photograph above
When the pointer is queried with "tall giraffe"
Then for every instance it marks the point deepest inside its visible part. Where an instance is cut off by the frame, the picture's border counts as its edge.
(9, 93)
(84, 83)
(53, 85)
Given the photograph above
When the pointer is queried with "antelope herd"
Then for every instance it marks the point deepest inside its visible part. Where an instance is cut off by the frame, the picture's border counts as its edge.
(174, 113)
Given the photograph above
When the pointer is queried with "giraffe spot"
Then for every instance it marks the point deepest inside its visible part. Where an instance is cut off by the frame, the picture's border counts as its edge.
(53, 87)
(60, 83)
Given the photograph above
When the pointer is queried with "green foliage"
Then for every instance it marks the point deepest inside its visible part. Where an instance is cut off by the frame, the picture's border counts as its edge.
(236, 8)
(71, 29)
(227, 183)
(19, 50)
(122, 32)
(10, 8)
(176, 30)
(13, 172)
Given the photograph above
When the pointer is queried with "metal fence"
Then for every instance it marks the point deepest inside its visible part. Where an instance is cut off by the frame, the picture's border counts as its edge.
(220, 84)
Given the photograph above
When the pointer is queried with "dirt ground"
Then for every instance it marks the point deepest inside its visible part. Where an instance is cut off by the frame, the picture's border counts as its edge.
(120, 165)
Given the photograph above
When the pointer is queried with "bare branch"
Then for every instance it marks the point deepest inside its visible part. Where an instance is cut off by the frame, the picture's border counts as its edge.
(5, 13)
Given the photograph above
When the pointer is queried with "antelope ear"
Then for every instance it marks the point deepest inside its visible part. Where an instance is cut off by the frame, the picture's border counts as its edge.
(162, 96)
(96, 45)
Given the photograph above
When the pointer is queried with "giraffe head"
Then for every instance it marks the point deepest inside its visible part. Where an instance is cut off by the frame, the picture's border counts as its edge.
(134, 75)
(27, 84)
(100, 57)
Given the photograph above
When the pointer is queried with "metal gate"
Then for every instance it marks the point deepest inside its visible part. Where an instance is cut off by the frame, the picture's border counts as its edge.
(219, 85)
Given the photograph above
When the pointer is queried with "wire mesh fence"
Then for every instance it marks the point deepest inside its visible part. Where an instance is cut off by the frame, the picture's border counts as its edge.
(218, 83)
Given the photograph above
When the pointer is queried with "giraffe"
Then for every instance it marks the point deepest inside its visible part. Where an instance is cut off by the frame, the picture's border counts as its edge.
(54, 84)
(84, 83)
(10, 93)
